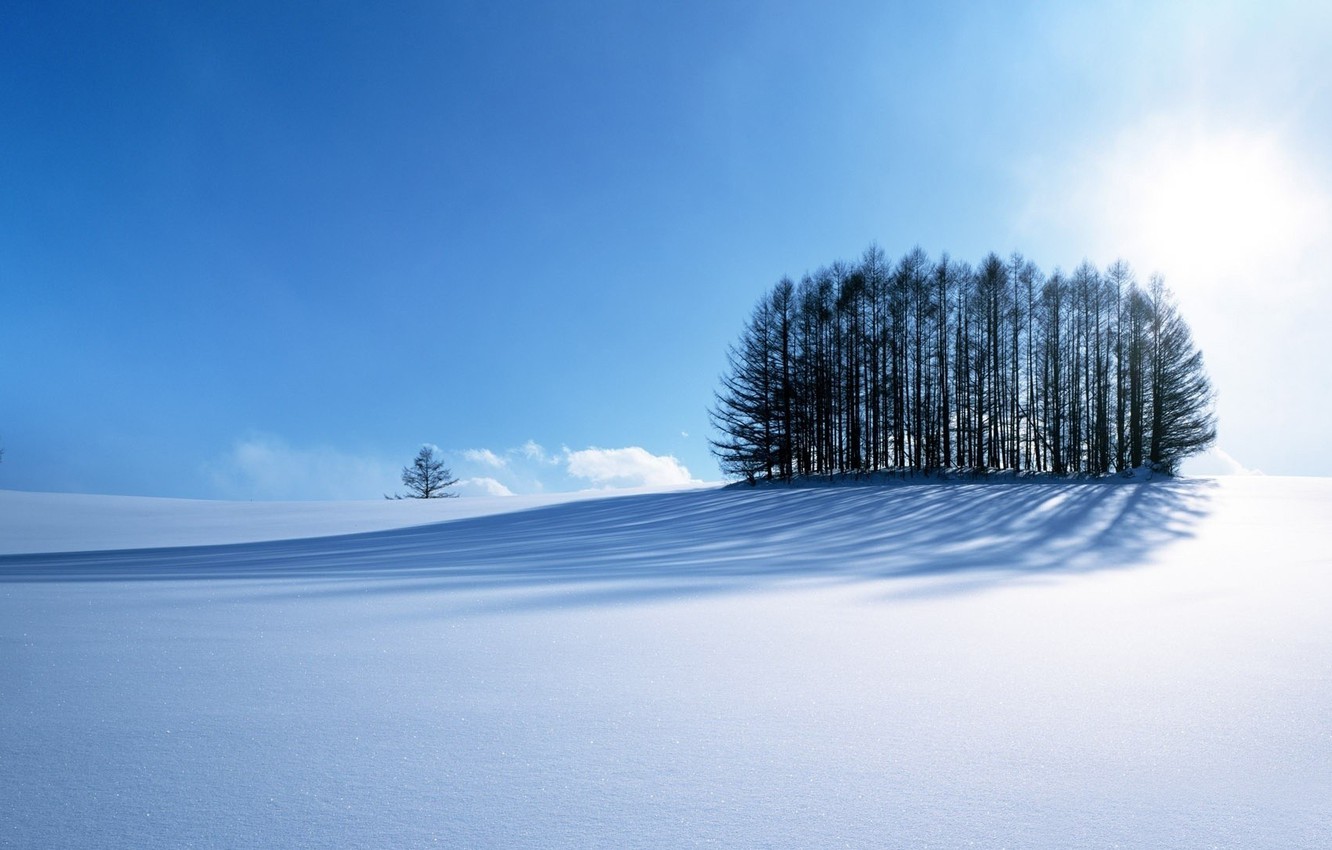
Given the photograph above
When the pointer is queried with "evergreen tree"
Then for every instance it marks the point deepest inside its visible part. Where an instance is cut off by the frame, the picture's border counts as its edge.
(427, 477)
(922, 365)
(745, 411)
(1182, 419)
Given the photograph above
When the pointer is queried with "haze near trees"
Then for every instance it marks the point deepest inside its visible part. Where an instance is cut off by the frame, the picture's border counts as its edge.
(929, 364)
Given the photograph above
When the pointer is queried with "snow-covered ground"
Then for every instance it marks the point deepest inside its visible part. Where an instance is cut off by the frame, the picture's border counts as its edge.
(67, 522)
(1028, 664)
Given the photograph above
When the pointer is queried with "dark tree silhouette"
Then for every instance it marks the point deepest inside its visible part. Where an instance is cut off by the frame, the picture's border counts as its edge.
(427, 477)
(747, 412)
(1183, 421)
(925, 365)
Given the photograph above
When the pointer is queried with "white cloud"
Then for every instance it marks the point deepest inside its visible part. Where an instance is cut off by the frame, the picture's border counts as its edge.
(533, 451)
(263, 466)
(1216, 461)
(628, 467)
(266, 467)
(485, 457)
(519, 469)
(481, 487)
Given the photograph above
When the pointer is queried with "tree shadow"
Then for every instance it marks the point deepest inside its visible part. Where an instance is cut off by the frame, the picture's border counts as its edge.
(622, 549)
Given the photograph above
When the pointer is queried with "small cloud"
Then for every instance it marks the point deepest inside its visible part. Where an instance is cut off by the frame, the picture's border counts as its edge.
(533, 451)
(485, 457)
(482, 487)
(266, 467)
(1216, 461)
(628, 467)
(684, 434)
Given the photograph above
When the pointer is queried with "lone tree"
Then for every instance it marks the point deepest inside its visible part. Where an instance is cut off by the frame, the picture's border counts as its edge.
(427, 476)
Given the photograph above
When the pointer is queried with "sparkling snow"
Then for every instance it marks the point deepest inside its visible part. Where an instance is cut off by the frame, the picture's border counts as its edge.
(1031, 664)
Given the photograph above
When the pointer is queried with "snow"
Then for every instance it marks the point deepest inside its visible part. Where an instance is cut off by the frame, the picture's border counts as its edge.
(67, 522)
(1022, 664)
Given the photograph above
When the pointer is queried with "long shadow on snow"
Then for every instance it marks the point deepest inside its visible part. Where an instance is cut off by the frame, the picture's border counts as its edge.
(670, 544)
(703, 541)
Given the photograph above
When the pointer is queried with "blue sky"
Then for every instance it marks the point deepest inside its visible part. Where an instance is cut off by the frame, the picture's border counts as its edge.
(268, 250)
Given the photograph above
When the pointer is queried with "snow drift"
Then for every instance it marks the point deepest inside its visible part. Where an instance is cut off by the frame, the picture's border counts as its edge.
(1022, 664)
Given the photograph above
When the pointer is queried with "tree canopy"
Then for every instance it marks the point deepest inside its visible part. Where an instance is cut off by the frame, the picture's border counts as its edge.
(427, 477)
(930, 364)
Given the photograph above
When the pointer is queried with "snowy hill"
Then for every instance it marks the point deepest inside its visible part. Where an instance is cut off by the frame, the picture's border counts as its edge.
(1033, 664)
(66, 522)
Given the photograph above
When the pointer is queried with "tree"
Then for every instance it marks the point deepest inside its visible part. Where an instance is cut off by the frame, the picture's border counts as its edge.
(747, 411)
(427, 477)
(1120, 278)
(1138, 310)
(923, 365)
(1182, 416)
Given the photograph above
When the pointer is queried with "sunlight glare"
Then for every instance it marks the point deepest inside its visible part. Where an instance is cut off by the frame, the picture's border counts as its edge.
(1213, 207)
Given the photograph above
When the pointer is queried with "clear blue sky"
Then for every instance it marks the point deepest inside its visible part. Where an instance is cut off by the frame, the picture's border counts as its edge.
(267, 250)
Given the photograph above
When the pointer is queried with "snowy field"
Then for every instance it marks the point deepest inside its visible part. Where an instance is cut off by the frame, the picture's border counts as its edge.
(990, 665)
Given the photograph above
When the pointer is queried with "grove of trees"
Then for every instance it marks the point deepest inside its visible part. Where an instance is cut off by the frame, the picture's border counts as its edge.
(928, 364)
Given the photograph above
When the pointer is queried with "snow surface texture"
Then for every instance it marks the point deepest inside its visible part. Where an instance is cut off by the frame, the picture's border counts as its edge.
(1018, 665)
(65, 522)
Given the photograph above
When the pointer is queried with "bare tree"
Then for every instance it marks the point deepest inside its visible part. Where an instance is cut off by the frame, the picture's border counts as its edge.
(427, 476)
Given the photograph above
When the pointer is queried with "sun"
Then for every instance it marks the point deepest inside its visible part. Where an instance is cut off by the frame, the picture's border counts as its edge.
(1222, 201)
(1203, 206)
